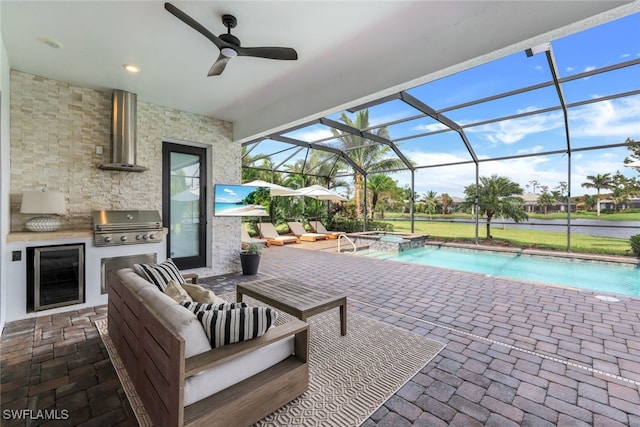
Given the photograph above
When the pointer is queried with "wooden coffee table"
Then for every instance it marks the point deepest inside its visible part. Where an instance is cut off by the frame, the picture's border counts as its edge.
(295, 298)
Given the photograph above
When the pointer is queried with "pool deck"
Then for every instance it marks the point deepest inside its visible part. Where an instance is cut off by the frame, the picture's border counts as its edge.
(517, 353)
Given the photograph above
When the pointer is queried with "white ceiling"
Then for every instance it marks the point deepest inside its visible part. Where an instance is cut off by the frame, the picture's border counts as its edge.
(349, 51)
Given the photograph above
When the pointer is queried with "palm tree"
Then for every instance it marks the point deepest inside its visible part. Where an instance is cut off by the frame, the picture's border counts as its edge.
(368, 155)
(430, 202)
(545, 200)
(634, 147)
(599, 182)
(496, 195)
(623, 189)
(255, 167)
(562, 187)
(380, 186)
(445, 201)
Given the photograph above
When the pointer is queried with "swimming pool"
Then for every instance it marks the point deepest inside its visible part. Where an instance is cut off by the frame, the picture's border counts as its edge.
(594, 275)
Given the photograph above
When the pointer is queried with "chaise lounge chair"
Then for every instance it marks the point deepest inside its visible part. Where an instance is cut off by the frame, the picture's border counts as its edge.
(247, 239)
(298, 229)
(318, 227)
(269, 232)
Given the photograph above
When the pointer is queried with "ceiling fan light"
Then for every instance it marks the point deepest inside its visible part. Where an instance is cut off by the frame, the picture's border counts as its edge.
(228, 52)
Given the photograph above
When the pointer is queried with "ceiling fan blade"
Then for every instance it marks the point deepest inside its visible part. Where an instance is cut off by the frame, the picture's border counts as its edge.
(194, 24)
(218, 67)
(285, 53)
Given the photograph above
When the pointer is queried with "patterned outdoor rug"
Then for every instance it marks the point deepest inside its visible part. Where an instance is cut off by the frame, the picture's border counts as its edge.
(350, 376)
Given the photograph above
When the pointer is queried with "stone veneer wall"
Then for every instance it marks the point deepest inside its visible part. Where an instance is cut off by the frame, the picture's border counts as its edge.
(55, 129)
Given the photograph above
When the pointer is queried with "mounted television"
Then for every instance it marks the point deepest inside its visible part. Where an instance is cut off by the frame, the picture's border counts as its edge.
(239, 200)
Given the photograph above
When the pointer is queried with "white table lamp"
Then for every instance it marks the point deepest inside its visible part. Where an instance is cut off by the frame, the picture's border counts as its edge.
(49, 204)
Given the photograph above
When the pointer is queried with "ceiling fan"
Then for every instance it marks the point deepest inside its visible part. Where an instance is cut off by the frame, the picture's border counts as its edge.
(228, 44)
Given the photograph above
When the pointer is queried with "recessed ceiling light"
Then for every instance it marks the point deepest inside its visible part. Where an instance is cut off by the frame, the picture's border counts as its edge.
(131, 68)
(51, 43)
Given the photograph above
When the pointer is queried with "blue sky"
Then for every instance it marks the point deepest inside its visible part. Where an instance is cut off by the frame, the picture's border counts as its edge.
(598, 123)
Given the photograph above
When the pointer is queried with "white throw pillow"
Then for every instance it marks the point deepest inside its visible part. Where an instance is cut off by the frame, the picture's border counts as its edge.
(202, 295)
(177, 292)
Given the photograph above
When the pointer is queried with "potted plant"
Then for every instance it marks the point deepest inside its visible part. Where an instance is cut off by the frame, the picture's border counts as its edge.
(250, 258)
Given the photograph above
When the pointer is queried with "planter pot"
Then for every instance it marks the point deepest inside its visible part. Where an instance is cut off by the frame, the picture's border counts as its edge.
(250, 263)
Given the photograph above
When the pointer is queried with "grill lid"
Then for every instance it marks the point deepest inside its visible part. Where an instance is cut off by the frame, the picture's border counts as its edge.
(108, 220)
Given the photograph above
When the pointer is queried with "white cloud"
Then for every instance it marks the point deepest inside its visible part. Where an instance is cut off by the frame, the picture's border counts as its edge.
(530, 150)
(432, 127)
(610, 121)
(589, 68)
(313, 134)
(511, 131)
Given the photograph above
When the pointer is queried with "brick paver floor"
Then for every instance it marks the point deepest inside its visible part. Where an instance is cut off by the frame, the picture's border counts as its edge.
(517, 353)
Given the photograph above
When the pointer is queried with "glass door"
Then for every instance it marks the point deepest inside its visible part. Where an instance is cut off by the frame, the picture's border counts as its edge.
(184, 204)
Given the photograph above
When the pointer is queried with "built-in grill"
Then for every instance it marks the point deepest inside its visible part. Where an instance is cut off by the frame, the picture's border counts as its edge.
(126, 227)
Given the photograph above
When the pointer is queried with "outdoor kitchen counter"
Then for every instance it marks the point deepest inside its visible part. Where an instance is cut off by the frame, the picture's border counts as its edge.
(34, 236)
(20, 243)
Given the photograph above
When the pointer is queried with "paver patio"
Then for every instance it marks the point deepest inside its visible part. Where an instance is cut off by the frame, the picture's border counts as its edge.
(516, 353)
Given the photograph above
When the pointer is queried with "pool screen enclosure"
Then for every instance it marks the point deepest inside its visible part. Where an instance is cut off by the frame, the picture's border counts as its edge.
(534, 106)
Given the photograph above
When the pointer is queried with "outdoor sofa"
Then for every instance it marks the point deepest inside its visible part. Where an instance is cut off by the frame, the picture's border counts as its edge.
(181, 379)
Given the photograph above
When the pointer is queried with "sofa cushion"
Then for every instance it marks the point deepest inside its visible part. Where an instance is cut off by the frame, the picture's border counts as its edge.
(202, 295)
(195, 307)
(216, 379)
(160, 274)
(177, 292)
(182, 322)
(134, 281)
(239, 324)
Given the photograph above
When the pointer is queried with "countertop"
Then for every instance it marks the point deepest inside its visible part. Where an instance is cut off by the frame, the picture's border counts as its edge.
(32, 236)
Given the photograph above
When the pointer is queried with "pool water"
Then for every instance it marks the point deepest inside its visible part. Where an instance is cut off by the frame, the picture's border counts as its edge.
(594, 275)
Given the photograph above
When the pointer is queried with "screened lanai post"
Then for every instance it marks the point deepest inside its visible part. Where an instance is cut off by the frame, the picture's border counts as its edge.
(421, 106)
(569, 201)
(364, 220)
(547, 49)
(477, 202)
(413, 200)
(556, 81)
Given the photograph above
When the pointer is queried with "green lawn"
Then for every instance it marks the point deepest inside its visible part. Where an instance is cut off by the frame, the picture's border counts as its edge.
(552, 240)
(618, 216)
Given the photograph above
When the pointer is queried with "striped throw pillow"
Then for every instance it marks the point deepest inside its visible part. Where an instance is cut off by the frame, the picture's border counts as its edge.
(160, 274)
(195, 307)
(240, 324)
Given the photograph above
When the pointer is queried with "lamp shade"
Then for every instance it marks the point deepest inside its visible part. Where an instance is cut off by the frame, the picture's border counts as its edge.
(43, 202)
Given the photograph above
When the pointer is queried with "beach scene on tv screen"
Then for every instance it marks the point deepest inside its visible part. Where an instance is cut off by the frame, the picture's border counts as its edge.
(238, 200)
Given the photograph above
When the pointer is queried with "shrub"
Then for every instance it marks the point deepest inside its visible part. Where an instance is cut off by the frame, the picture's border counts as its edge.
(355, 226)
(635, 244)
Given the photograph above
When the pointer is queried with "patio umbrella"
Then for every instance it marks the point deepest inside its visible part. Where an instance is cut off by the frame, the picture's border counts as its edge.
(320, 193)
(274, 189)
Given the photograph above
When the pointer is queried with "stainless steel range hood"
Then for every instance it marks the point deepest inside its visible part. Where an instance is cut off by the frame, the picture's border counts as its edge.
(123, 133)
